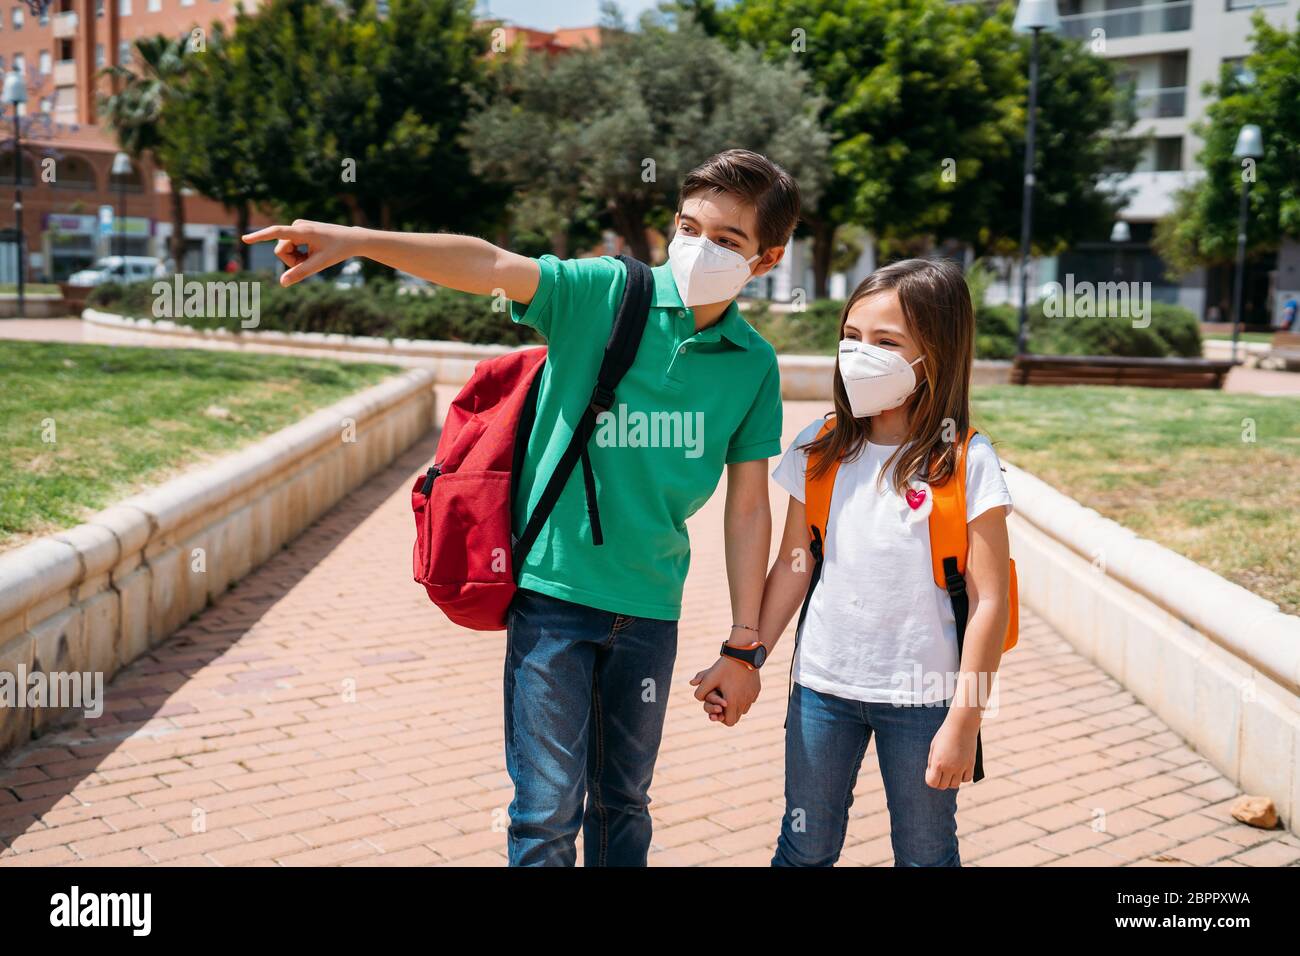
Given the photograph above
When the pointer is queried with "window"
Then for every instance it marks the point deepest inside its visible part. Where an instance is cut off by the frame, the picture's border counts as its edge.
(155, 6)
(99, 8)
(1241, 74)
(20, 63)
(99, 56)
(123, 8)
(2, 63)
(187, 3)
(44, 63)
(124, 53)
(1169, 153)
(46, 104)
(18, 18)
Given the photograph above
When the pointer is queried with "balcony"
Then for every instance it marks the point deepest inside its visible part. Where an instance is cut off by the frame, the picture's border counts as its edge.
(1160, 103)
(65, 25)
(1137, 20)
(65, 73)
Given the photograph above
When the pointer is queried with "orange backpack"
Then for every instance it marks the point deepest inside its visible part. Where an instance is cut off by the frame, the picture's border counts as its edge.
(949, 546)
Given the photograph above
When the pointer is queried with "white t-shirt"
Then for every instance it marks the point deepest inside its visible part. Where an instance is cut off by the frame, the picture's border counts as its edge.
(878, 628)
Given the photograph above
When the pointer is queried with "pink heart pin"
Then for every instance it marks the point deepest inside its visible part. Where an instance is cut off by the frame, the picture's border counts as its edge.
(915, 498)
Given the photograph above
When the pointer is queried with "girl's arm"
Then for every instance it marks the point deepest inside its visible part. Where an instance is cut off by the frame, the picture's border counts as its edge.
(988, 582)
(787, 582)
(465, 263)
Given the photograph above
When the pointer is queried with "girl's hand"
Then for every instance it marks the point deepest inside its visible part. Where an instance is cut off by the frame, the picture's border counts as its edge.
(952, 752)
(327, 245)
(728, 689)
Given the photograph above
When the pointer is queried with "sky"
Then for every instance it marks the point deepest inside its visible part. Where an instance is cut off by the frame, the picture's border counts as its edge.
(549, 14)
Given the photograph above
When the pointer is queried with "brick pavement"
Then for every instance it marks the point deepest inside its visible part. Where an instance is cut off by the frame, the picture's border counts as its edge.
(322, 713)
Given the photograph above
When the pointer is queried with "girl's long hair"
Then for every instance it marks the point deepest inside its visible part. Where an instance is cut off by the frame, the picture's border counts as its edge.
(941, 321)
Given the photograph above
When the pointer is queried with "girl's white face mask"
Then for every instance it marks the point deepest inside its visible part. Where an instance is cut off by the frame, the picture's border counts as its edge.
(706, 272)
(875, 378)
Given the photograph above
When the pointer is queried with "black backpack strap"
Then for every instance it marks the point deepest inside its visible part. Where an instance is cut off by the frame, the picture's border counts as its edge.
(955, 584)
(620, 353)
(817, 549)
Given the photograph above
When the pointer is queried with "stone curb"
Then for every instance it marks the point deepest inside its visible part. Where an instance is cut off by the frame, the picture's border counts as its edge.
(1219, 664)
(803, 377)
(96, 596)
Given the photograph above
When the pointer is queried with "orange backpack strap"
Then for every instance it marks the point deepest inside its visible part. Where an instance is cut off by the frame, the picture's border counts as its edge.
(817, 509)
(817, 493)
(949, 537)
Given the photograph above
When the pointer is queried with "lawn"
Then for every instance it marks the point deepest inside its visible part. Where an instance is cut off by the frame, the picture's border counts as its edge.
(1258, 337)
(30, 288)
(82, 426)
(1178, 467)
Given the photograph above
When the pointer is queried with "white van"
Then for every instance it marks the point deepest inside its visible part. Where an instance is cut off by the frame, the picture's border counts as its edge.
(116, 269)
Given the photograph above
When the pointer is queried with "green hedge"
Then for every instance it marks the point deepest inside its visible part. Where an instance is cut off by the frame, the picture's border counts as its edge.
(376, 309)
(1173, 332)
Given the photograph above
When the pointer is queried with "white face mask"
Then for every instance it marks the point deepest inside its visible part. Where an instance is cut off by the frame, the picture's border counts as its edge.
(875, 378)
(704, 271)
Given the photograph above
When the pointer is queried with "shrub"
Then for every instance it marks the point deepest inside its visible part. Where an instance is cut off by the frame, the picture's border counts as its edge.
(375, 309)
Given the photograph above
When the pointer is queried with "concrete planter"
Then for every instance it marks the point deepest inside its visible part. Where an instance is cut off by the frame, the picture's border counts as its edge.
(36, 305)
(1220, 665)
(803, 377)
(95, 597)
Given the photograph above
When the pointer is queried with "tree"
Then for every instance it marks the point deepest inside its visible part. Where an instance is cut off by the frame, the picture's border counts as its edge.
(135, 111)
(924, 101)
(329, 111)
(1202, 229)
(614, 128)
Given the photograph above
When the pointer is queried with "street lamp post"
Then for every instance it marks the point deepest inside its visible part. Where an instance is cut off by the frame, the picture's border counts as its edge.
(1250, 145)
(1032, 17)
(15, 95)
(1119, 234)
(121, 169)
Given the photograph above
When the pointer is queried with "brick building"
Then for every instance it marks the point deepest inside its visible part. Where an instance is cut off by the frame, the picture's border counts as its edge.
(68, 155)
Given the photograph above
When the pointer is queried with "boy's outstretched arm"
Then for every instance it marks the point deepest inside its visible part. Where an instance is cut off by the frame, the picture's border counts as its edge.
(465, 263)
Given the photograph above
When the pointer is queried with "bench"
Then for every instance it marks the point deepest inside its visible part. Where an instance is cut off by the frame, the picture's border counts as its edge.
(1116, 370)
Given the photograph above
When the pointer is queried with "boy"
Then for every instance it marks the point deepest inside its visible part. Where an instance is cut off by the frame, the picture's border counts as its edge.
(592, 632)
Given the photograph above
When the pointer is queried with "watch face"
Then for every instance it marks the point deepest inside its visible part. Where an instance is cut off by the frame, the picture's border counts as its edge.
(760, 655)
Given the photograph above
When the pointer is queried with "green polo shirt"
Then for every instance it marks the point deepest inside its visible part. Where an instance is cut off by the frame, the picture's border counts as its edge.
(691, 403)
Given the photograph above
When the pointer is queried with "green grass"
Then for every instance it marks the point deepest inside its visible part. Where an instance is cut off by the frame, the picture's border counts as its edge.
(1173, 465)
(31, 288)
(1264, 337)
(125, 418)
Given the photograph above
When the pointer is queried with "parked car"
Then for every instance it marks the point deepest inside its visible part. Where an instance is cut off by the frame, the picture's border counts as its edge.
(116, 269)
(350, 276)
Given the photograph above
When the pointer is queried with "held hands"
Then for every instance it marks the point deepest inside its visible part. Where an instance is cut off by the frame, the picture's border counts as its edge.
(327, 245)
(728, 689)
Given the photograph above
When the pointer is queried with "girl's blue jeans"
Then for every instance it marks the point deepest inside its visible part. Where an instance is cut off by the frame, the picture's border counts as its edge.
(825, 740)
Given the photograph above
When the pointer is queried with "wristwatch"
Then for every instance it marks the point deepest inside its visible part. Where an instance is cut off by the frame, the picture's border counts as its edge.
(751, 655)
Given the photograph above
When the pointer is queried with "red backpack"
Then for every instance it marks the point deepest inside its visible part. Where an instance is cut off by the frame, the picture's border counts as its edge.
(466, 554)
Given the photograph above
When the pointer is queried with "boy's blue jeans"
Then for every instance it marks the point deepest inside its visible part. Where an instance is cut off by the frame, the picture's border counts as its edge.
(585, 695)
(825, 740)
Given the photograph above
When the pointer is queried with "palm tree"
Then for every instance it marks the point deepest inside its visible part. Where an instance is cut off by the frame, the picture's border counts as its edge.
(135, 112)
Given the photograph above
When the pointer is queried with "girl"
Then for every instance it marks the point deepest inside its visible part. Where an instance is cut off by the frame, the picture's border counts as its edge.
(877, 652)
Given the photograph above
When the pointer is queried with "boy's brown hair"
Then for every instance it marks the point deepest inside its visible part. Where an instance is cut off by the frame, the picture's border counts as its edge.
(755, 179)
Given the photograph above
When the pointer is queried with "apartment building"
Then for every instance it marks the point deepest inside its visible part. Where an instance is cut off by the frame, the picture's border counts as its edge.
(1166, 51)
(61, 53)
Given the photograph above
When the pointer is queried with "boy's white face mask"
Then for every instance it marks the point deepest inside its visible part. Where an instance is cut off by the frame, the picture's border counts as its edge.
(706, 272)
(875, 378)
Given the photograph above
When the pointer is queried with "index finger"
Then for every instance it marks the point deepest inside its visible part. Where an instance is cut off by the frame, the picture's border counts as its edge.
(274, 232)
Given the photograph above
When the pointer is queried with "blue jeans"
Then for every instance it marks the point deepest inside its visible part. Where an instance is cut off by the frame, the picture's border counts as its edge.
(825, 740)
(585, 696)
